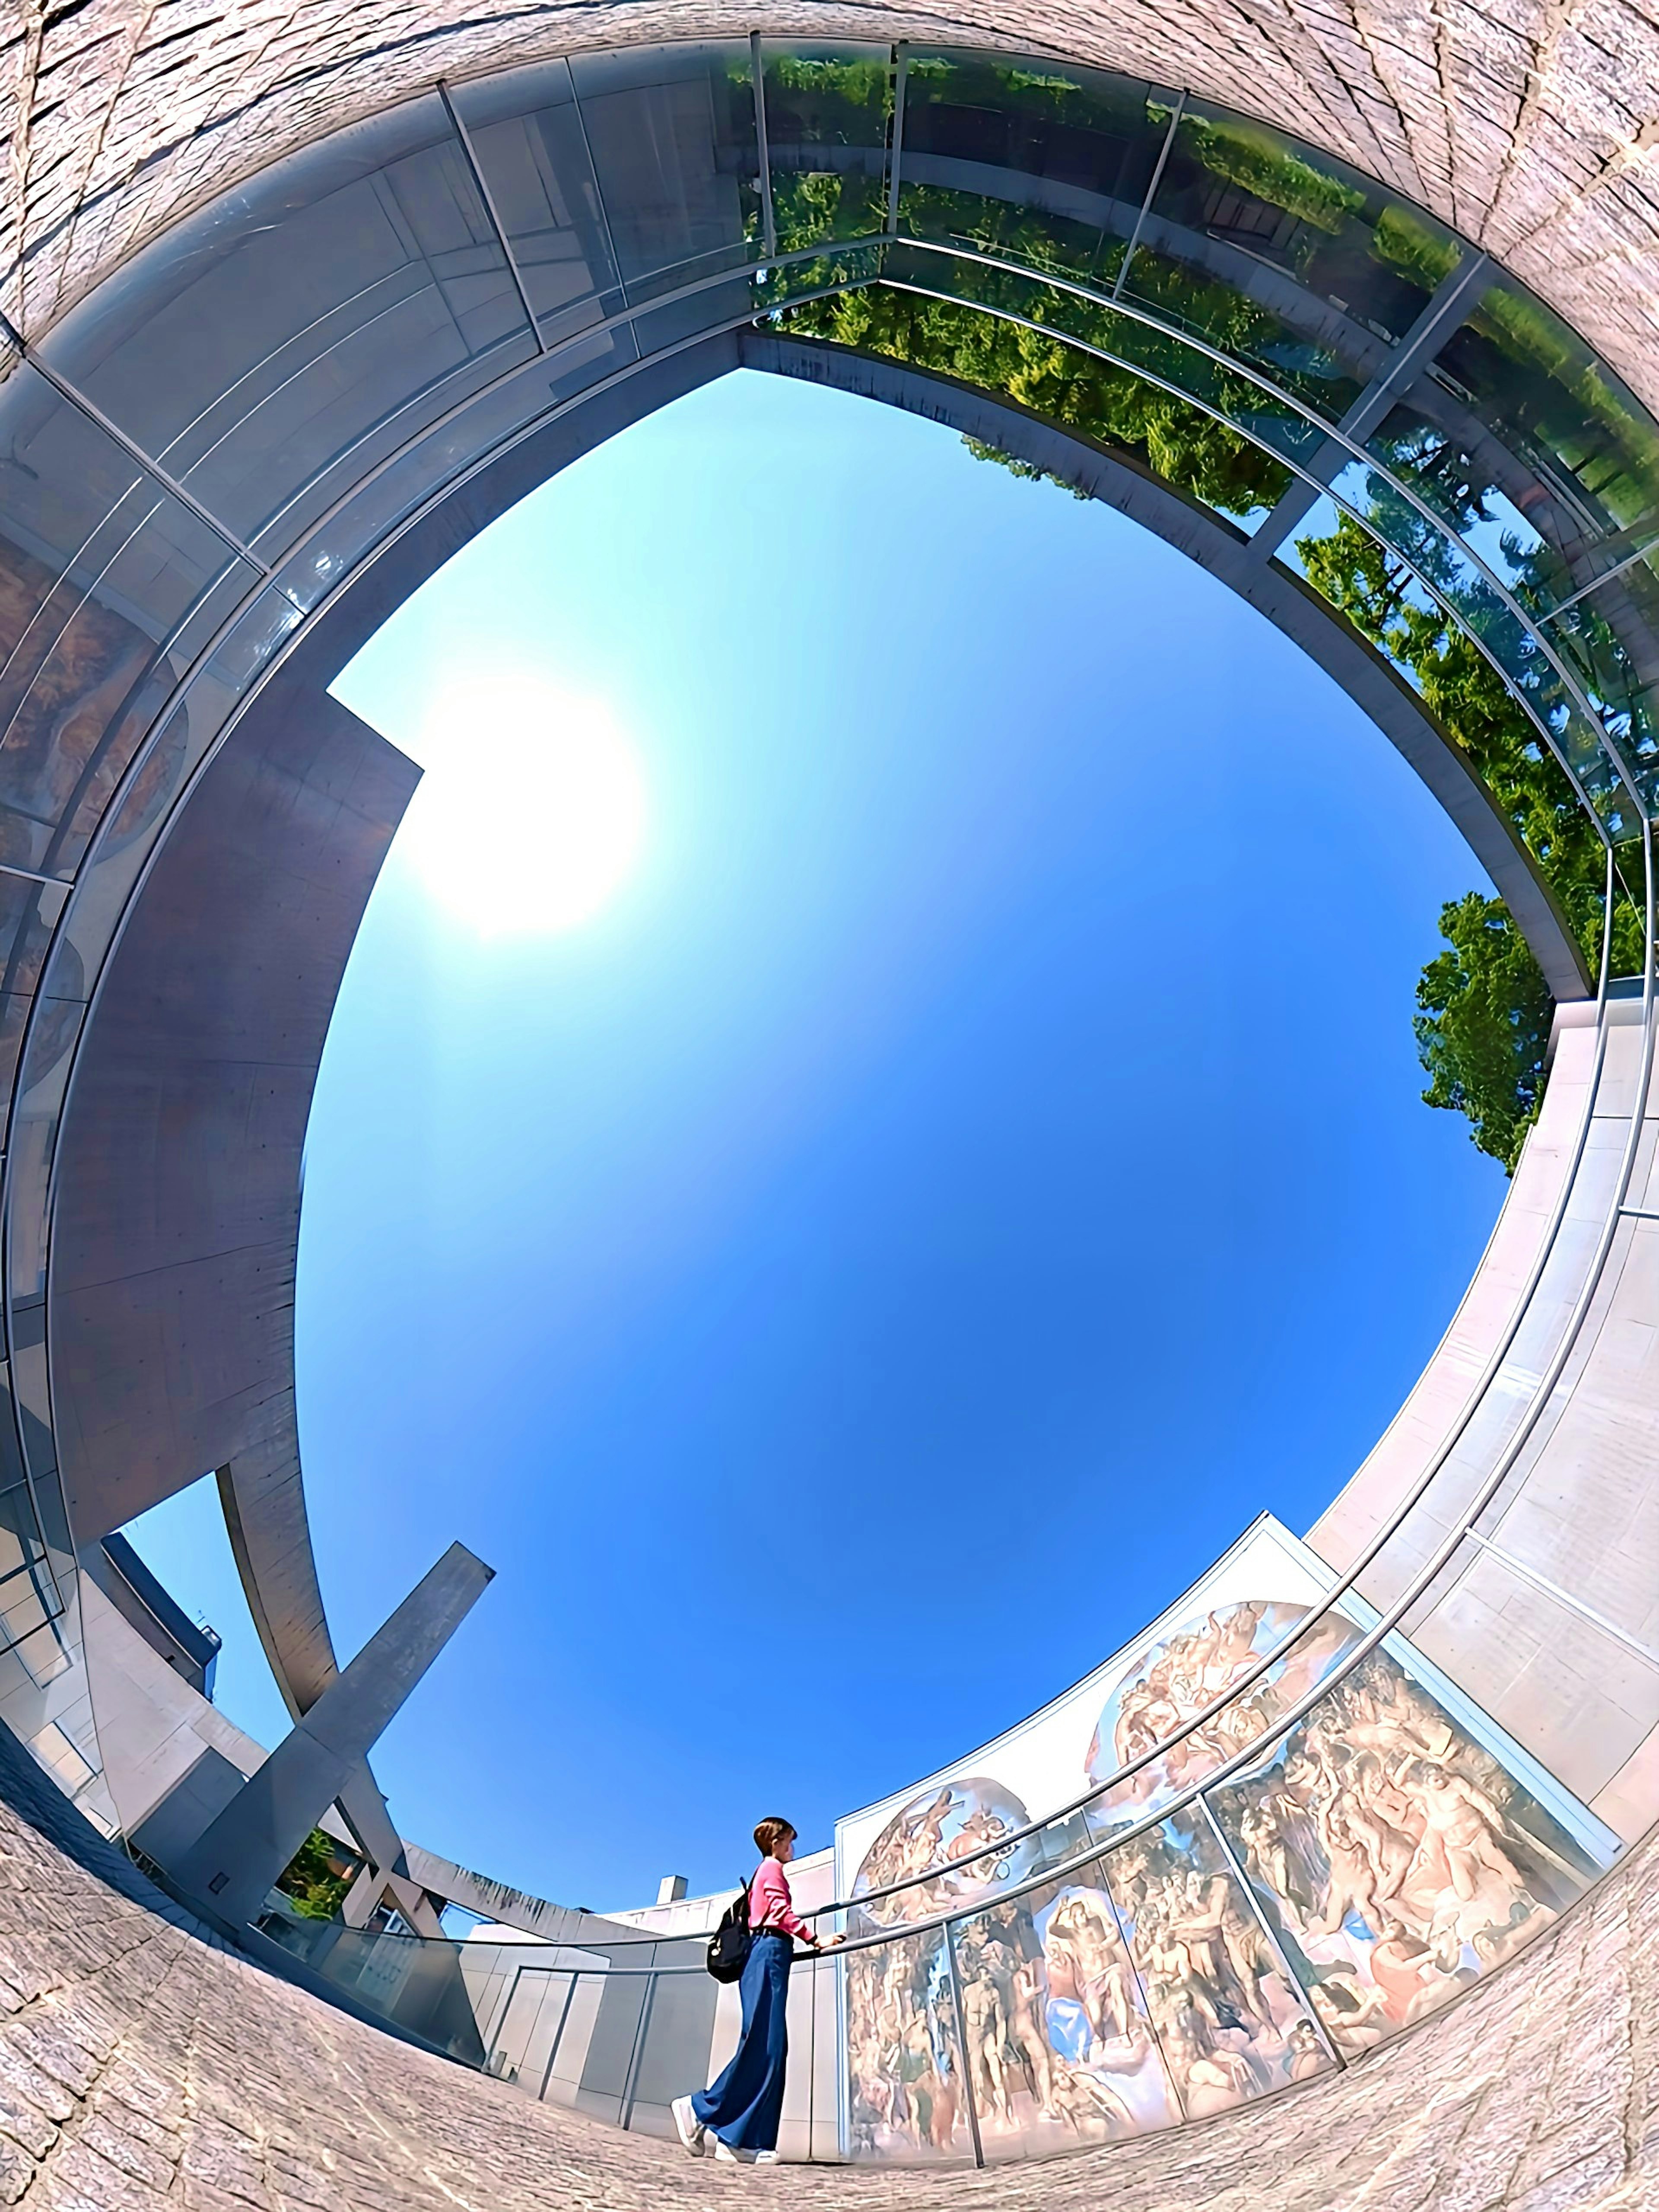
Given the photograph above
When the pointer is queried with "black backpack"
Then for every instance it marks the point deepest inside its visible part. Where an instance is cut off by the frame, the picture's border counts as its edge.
(730, 1944)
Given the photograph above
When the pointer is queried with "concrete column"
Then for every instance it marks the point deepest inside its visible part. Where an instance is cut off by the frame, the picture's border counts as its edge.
(240, 1855)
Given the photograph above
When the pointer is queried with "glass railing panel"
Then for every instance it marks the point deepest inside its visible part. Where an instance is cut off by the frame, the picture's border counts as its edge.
(1285, 348)
(1230, 2021)
(1236, 195)
(340, 534)
(562, 2084)
(1506, 728)
(795, 2122)
(1610, 638)
(523, 2041)
(905, 2094)
(1176, 1678)
(673, 2059)
(333, 302)
(1076, 142)
(101, 571)
(1439, 468)
(823, 2140)
(843, 268)
(1548, 397)
(828, 110)
(414, 1981)
(671, 322)
(159, 772)
(1214, 462)
(1060, 2049)
(1006, 230)
(527, 137)
(30, 1599)
(671, 133)
(1395, 1851)
(608, 2062)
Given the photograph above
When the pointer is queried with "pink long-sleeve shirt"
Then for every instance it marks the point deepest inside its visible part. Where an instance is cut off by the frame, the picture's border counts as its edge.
(770, 1905)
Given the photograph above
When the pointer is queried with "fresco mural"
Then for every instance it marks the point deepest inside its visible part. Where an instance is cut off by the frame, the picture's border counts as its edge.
(958, 1829)
(1389, 1849)
(904, 2078)
(1229, 2018)
(1060, 2047)
(1397, 1857)
(1185, 1672)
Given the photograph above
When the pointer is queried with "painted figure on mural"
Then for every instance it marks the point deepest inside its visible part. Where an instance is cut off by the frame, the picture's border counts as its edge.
(1395, 1856)
(960, 1834)
(1174, 1681)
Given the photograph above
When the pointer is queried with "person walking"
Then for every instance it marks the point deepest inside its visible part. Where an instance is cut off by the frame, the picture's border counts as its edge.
(741, 2110)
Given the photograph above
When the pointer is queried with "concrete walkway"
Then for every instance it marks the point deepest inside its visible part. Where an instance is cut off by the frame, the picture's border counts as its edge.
(145, 2070)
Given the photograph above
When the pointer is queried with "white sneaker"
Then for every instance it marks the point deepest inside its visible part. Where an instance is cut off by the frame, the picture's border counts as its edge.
(689, 2127)
(766, 2158)
(724, 2155)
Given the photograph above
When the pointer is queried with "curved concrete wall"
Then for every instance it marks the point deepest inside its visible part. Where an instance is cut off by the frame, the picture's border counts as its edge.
(145, 2067)
(1505, 1525)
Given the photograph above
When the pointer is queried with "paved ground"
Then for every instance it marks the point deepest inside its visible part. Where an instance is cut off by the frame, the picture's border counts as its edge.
(1533, 125)
(142, 2069)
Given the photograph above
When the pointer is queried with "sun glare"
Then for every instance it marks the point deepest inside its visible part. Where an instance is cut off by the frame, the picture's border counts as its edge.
(531, 814)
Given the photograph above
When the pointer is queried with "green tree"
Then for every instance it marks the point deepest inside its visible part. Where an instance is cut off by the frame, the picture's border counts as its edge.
(318, 1876)
(1483, 1024)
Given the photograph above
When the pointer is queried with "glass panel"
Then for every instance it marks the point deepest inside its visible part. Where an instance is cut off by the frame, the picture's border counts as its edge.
(1210, 461)
(416, 1982)
(1080, 143)
(674, 2058)
(401, 486)
(1231, 2024)
(107, 586)
(528, 139)
(1610, 637)
(1059, 2044)
(564, 2074)
(1396, 1857)
(904, 2086)
(334, 302)
(28, 1596)
(1588, 437)
(521, 2045)
(828, 114)
(1503, 726)
(1177, 1677)
(610, 2051)
(1237, 197)
(671, 133)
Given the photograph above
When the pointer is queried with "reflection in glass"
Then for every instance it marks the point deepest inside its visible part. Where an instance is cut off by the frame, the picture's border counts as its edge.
(904, 2082)
(1395, 1855)
(1236, 195)
(1231, 2024)
(1172, 1681)
(1084, 140)
(331, 307)
(1534, 381)
(671, 133)
(1060, 2048)
(527, 138)
(827, 119)
(955, 1833)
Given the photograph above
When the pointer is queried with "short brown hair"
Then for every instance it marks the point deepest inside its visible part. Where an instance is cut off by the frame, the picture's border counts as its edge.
(770, 1833)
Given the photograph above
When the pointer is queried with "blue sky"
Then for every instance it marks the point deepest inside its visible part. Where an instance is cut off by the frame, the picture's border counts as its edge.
(872, 1125)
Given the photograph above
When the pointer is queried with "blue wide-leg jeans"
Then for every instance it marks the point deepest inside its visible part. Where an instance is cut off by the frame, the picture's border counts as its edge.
(745, 2105)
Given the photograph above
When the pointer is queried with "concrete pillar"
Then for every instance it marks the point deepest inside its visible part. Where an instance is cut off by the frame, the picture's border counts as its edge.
(234, 1863)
